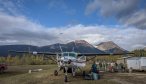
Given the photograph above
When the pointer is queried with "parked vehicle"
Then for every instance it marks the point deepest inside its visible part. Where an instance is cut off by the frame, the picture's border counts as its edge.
(136, 63)
(3, 67)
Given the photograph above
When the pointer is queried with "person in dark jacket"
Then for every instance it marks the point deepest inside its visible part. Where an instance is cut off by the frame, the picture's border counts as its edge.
(94, 67)
(95, 73)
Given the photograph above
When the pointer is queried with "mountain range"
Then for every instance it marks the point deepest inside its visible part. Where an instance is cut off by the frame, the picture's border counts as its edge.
(80, 46)
(110, 47)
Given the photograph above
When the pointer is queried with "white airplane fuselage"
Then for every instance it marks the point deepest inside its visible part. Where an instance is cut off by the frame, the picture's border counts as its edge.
(71, 58)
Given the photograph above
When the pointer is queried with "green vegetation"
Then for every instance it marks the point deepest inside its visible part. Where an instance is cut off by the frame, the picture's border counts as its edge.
(41, 60)
(108, 58)
(28, 59)
(25, 60)
(139, 52)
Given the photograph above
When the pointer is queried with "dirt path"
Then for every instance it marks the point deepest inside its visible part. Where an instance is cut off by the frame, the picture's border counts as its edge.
(126, 78)
(46, 77)
(120, 81)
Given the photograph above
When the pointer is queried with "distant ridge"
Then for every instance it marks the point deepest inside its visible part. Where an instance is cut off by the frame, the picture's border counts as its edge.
(110, 47)
(80, 46)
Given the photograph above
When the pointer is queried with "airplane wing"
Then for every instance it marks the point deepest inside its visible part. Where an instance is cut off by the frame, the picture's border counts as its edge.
(34, 52)
(101, 54)
(44, 53)
(13, 51)
(93, 55)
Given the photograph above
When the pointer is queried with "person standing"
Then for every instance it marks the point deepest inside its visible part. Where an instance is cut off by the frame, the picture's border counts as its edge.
(94, 71)
(94, 67)
(112, 66)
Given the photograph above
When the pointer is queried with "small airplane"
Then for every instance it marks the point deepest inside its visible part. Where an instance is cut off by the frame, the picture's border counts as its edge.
(70, 61)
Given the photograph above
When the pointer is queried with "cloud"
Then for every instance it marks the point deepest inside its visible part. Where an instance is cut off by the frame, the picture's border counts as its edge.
(18, 29)
(127, 12)
(10, 7)
(21, 30)
(136, 19)
(112, 7)
(59, 4)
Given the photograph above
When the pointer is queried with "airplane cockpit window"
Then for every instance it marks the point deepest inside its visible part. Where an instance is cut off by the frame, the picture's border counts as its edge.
(65, 54)
(72, 54)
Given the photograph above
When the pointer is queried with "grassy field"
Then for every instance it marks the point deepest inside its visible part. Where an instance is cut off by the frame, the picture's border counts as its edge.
(20, 75)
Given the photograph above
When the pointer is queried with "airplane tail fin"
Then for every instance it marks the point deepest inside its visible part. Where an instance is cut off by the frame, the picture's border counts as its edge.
(60, 48)
(73, 49)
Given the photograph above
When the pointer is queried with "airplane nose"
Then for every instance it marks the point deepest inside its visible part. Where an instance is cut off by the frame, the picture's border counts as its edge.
(34, 52)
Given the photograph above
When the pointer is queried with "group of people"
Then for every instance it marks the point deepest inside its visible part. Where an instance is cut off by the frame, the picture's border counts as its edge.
(104, 66)
(111, 66)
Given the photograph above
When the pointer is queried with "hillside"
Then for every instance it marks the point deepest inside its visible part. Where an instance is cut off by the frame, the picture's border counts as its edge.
(110, 47)
(79, 46)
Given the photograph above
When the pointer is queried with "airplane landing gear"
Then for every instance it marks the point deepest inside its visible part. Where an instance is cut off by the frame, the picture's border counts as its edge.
(65, 78)
(55, 73)
(73, 71)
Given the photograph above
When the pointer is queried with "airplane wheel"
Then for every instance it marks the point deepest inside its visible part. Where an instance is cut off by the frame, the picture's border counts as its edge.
(65, 78)
(73, 73)
(84, 73)
(55, 73)
(64, 70)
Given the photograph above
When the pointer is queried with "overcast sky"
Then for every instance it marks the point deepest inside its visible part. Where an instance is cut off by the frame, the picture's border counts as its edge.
(45, 22)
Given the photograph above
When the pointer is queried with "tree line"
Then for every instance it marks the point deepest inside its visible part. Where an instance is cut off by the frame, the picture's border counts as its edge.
(139, 53)
(26, 60)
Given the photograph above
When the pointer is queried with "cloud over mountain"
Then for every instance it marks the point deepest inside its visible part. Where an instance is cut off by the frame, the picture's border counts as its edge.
(21, 30)
(16, 28)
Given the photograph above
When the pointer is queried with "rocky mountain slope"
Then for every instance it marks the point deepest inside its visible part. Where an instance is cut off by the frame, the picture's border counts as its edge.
(79, 46)
(110, 47)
